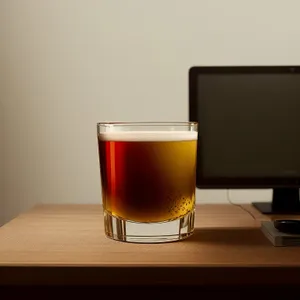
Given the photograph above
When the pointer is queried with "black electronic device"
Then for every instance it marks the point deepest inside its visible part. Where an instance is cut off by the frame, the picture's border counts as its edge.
(287, 226)
(249, 131)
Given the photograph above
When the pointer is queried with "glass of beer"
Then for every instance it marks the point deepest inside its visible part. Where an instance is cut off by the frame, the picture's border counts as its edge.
(148, 180)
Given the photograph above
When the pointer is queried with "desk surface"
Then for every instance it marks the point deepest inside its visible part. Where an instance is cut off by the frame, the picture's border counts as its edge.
(66, 244)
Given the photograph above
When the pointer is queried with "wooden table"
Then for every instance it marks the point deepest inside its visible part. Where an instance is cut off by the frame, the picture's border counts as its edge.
(65, 244)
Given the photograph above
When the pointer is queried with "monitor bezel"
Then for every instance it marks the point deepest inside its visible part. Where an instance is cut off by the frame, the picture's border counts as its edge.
(234, 183)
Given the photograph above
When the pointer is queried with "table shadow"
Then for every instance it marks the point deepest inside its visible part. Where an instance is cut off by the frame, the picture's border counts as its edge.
(228, 236)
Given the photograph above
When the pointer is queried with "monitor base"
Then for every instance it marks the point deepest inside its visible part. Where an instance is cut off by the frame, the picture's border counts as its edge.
(268, 209)
(284, 201)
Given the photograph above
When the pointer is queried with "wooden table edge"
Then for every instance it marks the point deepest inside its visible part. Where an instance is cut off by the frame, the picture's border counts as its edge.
(149, 275)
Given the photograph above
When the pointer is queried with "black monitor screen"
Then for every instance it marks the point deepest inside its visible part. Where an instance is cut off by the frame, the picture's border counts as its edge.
(249, 125)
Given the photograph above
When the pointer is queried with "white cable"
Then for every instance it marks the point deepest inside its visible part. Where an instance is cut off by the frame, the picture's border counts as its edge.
(239, 205)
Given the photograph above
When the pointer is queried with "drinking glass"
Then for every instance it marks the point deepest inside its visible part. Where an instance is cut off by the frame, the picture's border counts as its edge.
(148, 180)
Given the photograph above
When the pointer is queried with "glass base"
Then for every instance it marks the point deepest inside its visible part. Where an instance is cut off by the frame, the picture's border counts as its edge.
(149, 233)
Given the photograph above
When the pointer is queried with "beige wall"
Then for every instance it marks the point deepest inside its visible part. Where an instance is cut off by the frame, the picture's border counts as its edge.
(69, 64)
(1, 166)
(1, 135)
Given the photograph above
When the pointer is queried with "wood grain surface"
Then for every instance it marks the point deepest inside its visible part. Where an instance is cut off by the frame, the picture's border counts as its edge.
(55, 244)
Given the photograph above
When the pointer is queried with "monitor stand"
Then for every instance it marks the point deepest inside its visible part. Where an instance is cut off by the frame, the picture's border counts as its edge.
(284, 201)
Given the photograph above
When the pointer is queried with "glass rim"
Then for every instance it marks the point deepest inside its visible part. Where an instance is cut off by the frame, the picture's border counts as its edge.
(150, 123)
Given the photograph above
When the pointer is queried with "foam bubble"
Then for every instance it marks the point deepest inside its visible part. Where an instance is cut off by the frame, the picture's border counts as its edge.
(150, 136)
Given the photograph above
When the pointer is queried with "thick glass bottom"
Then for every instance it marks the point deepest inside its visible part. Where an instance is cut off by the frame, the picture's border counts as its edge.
(151, 233)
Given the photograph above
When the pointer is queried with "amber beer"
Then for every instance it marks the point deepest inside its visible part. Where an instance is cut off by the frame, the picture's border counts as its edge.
(148, 176)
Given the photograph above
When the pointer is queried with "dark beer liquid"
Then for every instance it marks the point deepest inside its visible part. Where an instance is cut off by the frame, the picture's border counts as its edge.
(148, 178)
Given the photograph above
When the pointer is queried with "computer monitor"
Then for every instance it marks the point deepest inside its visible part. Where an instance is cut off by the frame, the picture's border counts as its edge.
(249, 131)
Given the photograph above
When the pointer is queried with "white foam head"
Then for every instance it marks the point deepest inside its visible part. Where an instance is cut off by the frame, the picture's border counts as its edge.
(150, 136)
